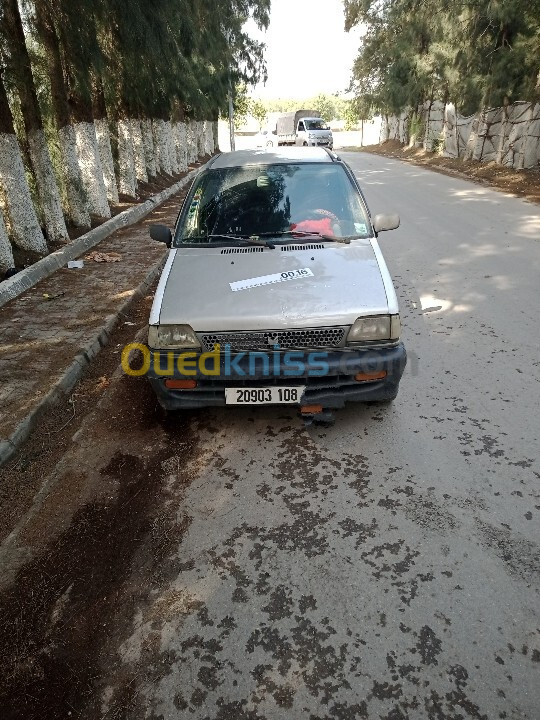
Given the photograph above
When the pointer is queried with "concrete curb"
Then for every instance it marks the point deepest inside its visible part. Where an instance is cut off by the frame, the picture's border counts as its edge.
(28, 277)
(74, 372)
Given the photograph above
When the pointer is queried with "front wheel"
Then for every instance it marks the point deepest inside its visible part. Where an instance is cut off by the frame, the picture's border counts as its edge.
(384, 401)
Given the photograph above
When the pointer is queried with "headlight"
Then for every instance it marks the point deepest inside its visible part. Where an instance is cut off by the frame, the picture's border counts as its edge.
(172, 336)
(375, 327)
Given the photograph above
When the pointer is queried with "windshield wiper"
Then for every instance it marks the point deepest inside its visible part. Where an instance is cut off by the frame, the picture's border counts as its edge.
(244, 239)
(306, 234)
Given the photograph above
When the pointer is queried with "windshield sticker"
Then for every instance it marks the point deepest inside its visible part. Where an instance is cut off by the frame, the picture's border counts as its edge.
(195, 202)
(270, 279)
(192, 213)
(360, 228)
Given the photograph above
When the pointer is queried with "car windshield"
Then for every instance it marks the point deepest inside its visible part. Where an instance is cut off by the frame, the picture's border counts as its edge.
(316, 125)
(281, 201)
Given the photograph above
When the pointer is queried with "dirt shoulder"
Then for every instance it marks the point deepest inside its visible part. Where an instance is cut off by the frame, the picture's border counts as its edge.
(68, 591)
(39, 339)
(522, 183)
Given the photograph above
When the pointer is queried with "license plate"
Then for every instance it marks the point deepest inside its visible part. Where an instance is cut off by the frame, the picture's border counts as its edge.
(264, 396)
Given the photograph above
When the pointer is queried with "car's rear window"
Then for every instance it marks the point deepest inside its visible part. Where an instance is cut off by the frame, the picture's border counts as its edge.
(252, 200)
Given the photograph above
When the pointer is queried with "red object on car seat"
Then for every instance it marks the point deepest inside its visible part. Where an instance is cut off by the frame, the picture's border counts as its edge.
(322, 226)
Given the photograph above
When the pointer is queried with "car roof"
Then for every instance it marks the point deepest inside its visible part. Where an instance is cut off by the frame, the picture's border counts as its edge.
(276, 156)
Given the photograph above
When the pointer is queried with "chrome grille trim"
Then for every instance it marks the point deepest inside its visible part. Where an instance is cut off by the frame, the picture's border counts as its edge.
(264, 340)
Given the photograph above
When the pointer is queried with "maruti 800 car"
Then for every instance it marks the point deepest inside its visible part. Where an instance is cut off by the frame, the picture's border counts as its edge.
(275, 290)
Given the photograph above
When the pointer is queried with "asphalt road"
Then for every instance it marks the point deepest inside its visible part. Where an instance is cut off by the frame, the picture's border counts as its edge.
(386, 567)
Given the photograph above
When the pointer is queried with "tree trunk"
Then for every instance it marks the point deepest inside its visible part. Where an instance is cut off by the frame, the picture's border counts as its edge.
(171, 144)
(149, 151)
(107, 163)
(127, 184)
(181, 146)
(20, 70)
(456, 130)
(20, 210)
(103, 137)
(155, 140)
(88, 153)
(162, 146)
(165, 150)
(192, 141)
(204, 137)
(138, 151)
(215, 133)
(157, 144)
(208, 138)
(427, 140)
(76, 195)
(91, 169)
(176, 145)
(201, 149)
(188, 142)
(6, 253)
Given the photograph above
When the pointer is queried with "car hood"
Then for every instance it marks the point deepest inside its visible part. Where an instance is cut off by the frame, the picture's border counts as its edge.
(345, 283)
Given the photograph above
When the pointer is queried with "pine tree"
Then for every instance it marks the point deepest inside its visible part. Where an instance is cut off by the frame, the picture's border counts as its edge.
(23, 221)
(19, 70)
(479, 53)
(47, 33)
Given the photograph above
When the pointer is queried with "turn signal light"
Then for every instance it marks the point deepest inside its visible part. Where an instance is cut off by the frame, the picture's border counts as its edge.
(180, 384)
(366, 377)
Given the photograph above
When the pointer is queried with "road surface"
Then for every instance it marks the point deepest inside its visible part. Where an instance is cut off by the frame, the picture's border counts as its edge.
(236, 565)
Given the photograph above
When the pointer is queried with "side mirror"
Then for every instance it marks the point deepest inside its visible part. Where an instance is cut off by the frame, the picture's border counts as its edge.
(161, 233)
(385, 222)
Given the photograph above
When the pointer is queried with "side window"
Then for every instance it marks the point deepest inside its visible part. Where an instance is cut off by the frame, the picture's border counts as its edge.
(301, 127)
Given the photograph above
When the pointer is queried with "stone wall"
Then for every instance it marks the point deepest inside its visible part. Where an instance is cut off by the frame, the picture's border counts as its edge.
(506, 135)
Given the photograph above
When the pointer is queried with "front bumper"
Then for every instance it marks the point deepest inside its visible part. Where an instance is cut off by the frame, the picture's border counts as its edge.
(321, 143)
(331, 390)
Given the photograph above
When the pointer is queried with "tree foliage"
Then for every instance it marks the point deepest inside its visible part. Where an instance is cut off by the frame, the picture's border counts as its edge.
(330, 107)
(475, 53)
(152, 56)
(68, 63)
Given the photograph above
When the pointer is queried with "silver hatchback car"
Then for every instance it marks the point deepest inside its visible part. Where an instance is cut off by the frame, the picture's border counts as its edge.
(275, 290)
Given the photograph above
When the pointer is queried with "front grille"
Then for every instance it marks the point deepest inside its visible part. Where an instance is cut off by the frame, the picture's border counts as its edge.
(305, 339)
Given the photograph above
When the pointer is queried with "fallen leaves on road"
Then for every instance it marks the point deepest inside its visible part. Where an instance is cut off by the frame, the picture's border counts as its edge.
(104, 257)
